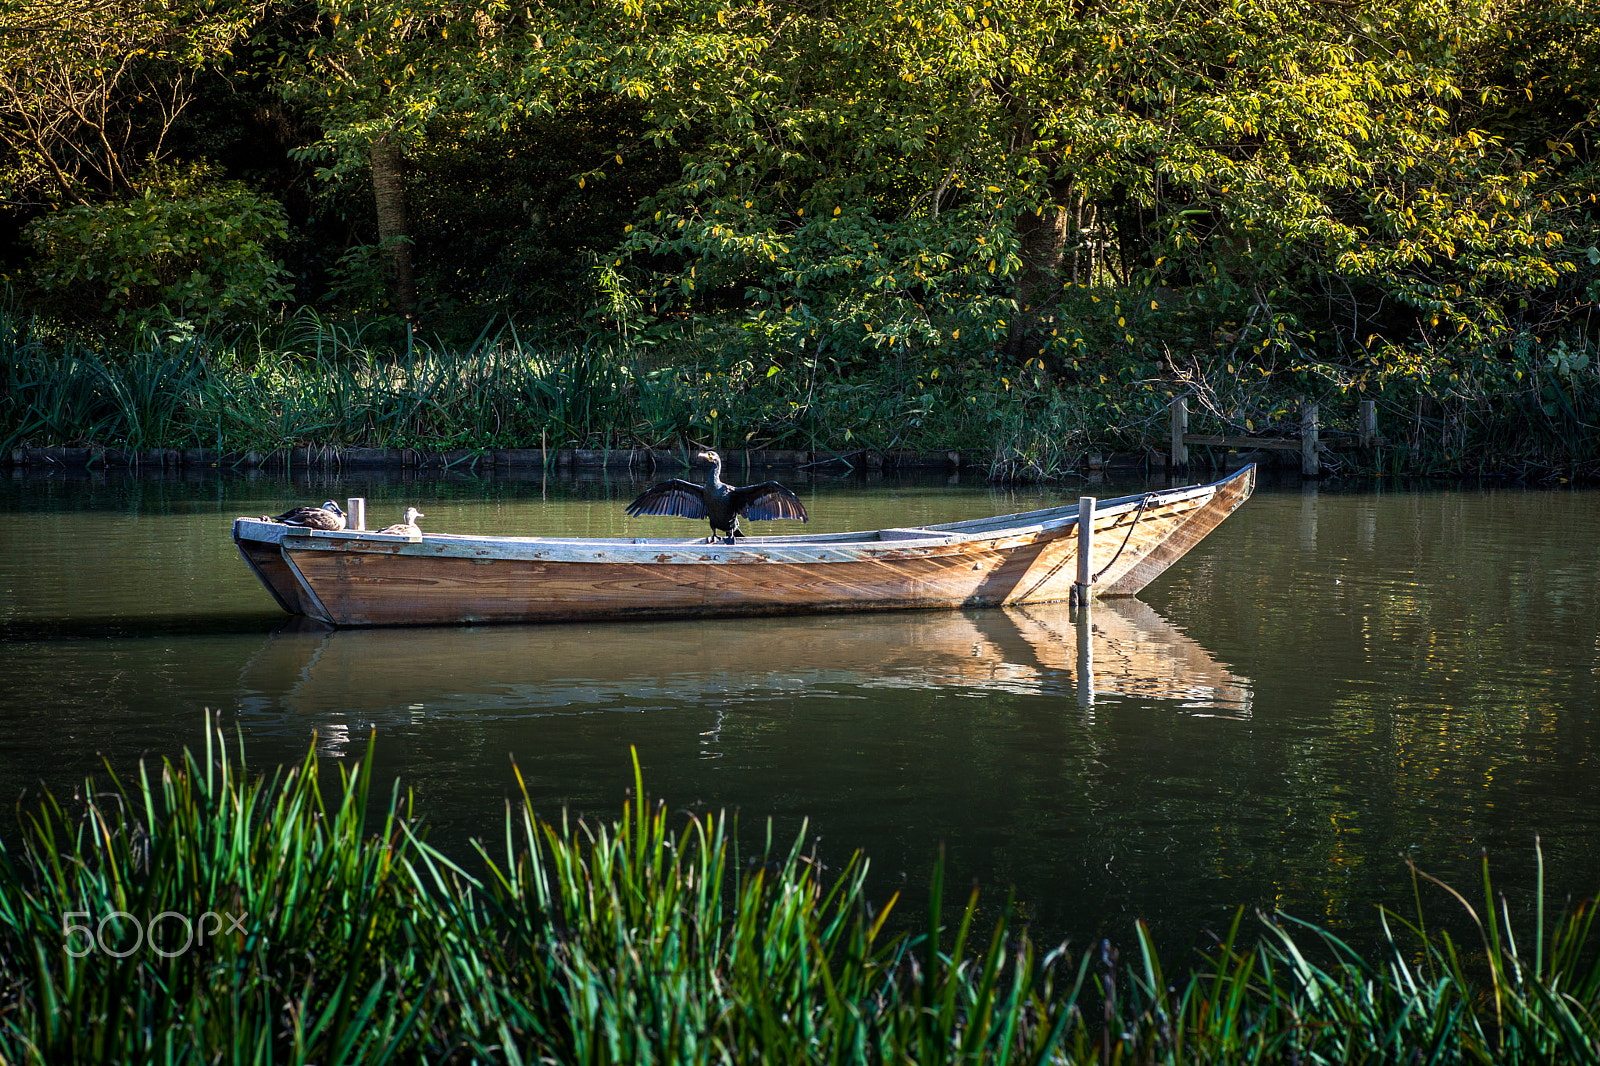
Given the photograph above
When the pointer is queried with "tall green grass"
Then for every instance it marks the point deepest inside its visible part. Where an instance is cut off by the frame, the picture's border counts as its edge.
(1533, 412)
(653, 938)
(321, 384)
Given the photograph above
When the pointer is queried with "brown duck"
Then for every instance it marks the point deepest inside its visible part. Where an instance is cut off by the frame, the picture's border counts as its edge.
(328, 516)
(717, 502)
(408, 527)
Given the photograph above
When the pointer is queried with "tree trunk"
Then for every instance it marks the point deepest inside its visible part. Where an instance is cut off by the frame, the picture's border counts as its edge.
(394, 233)
(1043, 243)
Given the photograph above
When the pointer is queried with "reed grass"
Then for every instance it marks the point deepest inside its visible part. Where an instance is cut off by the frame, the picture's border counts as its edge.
(654, 938)
(1533, 413)
(321, 384)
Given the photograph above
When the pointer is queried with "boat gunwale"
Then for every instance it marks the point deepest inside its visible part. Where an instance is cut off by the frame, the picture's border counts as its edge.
(952, 537)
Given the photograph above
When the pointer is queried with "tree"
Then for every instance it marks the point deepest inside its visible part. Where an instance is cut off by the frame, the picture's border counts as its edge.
(375, 74)
(888, 175)
(89, 89)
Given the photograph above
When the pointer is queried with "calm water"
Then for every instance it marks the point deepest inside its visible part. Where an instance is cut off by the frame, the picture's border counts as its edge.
(1333, 681)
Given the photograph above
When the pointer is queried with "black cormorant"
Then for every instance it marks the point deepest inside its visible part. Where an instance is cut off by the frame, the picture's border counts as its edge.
(720, 504)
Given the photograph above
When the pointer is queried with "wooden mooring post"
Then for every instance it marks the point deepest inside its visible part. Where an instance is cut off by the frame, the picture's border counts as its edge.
(1085, 549)
(1084, 623)
(1367, 434)
(355, 512)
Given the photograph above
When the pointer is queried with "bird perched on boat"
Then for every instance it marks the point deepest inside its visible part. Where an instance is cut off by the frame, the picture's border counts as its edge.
(409, 527)
(328, 516)
(719, 503)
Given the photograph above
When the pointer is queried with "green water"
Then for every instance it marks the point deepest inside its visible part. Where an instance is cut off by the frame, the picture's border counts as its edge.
(1335, 680)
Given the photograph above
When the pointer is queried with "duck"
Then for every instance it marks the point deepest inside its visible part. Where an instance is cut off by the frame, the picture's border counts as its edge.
(408, 527)
(719, 503)
(328, 516)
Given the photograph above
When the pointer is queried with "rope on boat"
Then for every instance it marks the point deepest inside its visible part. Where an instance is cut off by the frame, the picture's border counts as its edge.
(1145, 502)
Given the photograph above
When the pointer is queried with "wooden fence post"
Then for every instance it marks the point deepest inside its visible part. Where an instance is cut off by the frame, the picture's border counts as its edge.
(1310, 462)
(1367, 437)
(1180, 426)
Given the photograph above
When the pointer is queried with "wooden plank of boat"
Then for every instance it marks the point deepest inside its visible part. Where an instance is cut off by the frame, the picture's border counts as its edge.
(353, 577)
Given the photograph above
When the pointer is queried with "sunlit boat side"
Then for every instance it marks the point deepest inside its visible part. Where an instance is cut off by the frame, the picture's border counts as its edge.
(360, 578)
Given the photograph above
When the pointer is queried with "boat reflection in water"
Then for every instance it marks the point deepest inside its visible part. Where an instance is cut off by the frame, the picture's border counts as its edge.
(330, 678)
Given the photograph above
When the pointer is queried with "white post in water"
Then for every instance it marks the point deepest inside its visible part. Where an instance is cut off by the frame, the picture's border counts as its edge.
(1085, 627)
(356, 512)
(1085, 548)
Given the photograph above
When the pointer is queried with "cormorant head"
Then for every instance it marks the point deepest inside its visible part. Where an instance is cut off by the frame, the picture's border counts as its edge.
(711, 457)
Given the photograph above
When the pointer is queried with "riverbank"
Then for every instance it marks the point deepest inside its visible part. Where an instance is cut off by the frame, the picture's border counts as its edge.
(319, 399)
(188, 936)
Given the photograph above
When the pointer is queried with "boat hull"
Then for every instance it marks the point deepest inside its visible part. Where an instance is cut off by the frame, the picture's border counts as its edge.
(366, 579)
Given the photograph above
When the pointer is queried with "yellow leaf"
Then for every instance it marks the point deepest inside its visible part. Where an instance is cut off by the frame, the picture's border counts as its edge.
(836, 212)
(628, 228)
(619, 159)
(955, 337)
(582, 182)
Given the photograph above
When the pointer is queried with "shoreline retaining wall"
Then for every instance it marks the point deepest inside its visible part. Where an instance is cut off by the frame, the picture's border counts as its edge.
(330, 459)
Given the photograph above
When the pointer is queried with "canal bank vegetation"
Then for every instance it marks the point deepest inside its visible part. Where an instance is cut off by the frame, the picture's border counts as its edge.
(1530, 415)
(198, 913)
(1011, 227)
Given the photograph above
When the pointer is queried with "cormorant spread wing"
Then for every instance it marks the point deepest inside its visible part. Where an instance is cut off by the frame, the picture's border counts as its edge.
(676, 498)
(767, 501)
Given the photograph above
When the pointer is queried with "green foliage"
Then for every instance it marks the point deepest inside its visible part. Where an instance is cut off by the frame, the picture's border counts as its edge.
(89, 89)
(885, 177)
(332, 959)
(185, 249)
(1528, 411)
(340, 937)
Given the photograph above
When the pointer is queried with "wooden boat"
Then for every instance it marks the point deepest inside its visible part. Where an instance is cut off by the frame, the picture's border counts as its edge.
(359, 578)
